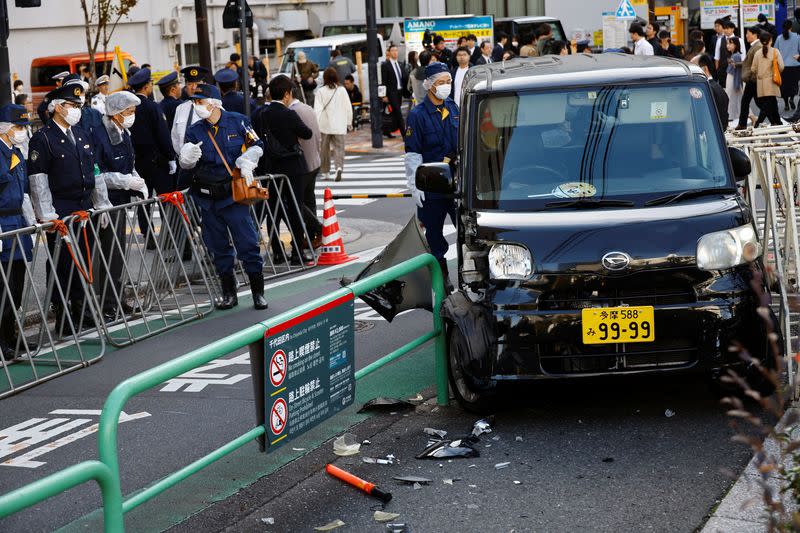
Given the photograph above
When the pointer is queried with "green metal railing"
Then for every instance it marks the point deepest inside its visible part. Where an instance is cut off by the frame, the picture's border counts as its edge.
(106, 470)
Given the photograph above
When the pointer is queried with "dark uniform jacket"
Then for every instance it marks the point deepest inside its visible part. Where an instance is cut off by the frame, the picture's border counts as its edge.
(153, 147)
(69, 167)
(168, 106)
(432, 132)
(114, 153)
(233, 101)
(13, 187)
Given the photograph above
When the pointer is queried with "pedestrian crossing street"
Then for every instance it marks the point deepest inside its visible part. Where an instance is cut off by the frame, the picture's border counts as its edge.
(364, 175)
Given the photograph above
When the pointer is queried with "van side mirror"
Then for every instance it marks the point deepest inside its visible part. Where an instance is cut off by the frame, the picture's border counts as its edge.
(435, 177)
(741, 163)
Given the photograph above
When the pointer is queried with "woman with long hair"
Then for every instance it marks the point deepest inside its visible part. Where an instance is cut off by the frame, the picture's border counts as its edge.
(788, 43)
(696, 49)
(733, 82)
(767, 91)
(335, 116)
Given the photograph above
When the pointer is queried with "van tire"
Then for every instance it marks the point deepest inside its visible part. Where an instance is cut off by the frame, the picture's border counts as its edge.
(466, 394)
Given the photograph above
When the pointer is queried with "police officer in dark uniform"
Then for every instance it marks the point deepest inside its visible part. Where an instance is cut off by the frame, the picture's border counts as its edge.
(155, 158)
(41, 110)
(171, 90)
(114, 156)
(62, 181)
(90, 118)
(14, 252)
(211, 188)
(184, 115)
(232, 98)
(432, 137)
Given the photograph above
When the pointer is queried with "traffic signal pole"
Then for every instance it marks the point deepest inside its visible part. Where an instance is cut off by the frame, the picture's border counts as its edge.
(372, 59)
(5, 66)
(203, 45)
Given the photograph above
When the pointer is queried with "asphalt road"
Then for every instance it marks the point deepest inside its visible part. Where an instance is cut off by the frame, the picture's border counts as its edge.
(665, 474)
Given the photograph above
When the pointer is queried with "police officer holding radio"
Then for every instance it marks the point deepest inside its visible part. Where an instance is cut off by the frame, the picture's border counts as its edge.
(432, 137)
(62, 181)
(15, 213)
(213, 145)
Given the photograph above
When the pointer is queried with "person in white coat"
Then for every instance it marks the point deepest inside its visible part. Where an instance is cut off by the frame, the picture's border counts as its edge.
(335, 116)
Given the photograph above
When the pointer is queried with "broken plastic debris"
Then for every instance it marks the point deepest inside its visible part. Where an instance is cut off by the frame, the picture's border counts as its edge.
(330, 526)
(398, 528)
(448, 448)
(608, 460)
(472, 466)
(435, 432)
(517, 482)
(270, 521)
(495, 438)
(417, 486)
(299, 449)
(471, 506)
(345, 445)
(366, 442)
(669, 413)
(417, 398)
(447, 481)
(412, 479)
(372, 460)
(381, 516)
(498, 466)
(382, 403)
(473, 486)
(518, 438)
(482, 426)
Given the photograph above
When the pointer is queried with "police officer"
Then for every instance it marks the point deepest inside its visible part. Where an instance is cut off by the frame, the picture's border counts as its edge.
(155, 158)
(90, 117)
(184, 114)
(238, 145)
(170, 89)
(41, 110)
(62, 181)
(232, 99)
(115, 156)
(14, 120)
(431, 137)
(99, 100)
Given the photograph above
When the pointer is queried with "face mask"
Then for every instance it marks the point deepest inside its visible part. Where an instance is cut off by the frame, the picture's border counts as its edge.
(19, 137)
(128, 121)
(202, 111)
(73, 116)
(514, 44)
(443, 91)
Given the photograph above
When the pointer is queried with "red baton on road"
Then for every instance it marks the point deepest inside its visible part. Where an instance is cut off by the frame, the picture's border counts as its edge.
(359, 483)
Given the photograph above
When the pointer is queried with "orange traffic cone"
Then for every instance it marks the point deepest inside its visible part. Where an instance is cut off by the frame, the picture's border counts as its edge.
(332, 246)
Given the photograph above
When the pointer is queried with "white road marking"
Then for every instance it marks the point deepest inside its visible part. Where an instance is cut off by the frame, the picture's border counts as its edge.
(198, 379)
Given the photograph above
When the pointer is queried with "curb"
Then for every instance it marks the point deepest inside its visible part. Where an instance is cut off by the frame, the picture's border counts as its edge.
(742, 508)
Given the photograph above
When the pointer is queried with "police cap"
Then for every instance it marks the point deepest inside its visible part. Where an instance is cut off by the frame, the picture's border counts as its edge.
(194, 73)
(225, 75)
(204, 90)
(168, 80)
(102, 80)
(140, 79)
(60, 75)
(15, 114)
(70, 93)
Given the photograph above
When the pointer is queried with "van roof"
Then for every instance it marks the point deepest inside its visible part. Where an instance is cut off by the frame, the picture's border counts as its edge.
(78, 56)
(331, 40)
(576, 69)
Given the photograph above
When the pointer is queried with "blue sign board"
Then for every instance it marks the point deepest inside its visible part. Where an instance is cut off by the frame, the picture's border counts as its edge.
(451, 28)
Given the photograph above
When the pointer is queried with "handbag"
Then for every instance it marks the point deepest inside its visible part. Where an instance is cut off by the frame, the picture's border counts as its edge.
(776, 71)
(243, 193)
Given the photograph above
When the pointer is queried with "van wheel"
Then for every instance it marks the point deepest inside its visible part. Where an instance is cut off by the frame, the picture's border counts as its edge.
(467, 395)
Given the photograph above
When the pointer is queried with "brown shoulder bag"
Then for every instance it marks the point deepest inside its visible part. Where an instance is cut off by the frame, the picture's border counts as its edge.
(242, 192)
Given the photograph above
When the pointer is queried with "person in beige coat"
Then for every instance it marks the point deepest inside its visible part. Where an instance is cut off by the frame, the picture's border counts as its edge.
(767, 91)
(335, 116)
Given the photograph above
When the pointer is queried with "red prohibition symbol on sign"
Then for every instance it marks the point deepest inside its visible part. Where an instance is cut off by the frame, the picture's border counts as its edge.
(277, 368)
(277, 416)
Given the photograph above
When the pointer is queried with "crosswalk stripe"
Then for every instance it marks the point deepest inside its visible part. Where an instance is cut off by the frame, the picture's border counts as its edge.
(343, 185)
(363, 190)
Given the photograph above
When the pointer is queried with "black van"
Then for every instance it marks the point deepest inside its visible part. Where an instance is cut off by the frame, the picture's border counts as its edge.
(600, 227)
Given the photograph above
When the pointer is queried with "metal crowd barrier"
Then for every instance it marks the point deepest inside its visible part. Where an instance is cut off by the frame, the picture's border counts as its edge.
(773, 197)
(106, 470)
(38, 344)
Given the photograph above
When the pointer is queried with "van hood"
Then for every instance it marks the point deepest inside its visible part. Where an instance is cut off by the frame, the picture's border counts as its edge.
(575, 241)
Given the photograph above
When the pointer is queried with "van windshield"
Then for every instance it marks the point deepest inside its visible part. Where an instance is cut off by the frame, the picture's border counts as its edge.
(631, 143)
(320, 55)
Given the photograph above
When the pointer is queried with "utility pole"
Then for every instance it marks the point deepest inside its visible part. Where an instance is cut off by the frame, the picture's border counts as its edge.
(372, 69)
(204, 47)
(243, 53)
(5, 66)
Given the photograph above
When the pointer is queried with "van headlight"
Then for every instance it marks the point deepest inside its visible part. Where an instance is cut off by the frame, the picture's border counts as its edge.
(510, 261)
(726, 249)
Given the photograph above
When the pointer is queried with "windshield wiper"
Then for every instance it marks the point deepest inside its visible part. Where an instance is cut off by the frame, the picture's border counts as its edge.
(692, 193)
(587, 203)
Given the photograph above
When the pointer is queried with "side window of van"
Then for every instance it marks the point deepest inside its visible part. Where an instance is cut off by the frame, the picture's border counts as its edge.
(42, 76)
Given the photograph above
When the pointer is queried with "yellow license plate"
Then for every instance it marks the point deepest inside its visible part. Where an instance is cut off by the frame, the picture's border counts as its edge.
(611, 325)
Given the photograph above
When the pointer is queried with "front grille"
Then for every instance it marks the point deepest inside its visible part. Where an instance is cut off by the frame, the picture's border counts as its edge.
(573, 299)
(619, 362)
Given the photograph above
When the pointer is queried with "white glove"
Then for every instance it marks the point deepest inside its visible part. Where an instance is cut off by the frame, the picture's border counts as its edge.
(190, 154)
(105, 220)
(173, 167)
(135, 183)
(27, 211)
(418, 196)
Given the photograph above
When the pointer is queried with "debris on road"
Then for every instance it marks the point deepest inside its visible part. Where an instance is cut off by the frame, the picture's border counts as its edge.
(669, 413)
(398, 528)
(447, 481)
(330, 526)
(389, 460)
(485, 425)
(417, 398)
(417, 486)
(269, 520)
(435, 432)
(357, 482)
(412, 479)
(381, 403)
(518, 438)
(346, 445)
(608, 460)
(517, 482)
(448, 448)
(381, 516)
(500, 466)
(298, 449)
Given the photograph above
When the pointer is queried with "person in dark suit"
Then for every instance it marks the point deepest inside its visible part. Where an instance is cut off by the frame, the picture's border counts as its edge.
(171, 90)
(281, 128)
(155, 158)
(500, 46)
(395, 79)
(474, 49)
(720, 97)
(486, 54)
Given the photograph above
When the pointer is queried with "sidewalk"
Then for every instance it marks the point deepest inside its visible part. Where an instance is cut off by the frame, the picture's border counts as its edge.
(360, 142)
